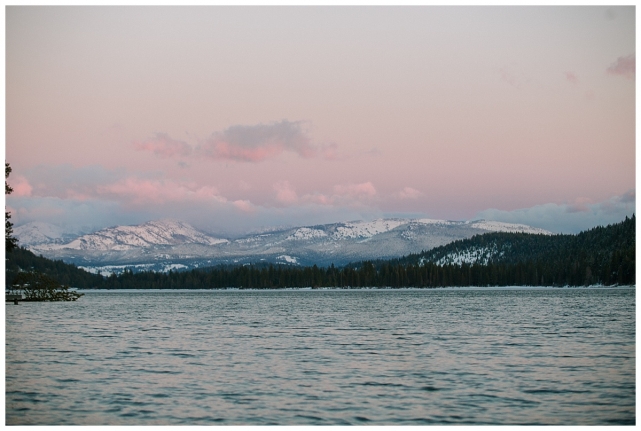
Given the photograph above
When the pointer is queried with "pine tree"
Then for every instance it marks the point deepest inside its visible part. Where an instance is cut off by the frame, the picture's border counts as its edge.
(10, 241)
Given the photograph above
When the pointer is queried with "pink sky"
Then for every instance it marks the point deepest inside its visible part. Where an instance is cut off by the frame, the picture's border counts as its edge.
(242, 118)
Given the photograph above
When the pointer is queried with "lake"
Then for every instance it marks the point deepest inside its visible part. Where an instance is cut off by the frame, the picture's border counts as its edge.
(325, 357)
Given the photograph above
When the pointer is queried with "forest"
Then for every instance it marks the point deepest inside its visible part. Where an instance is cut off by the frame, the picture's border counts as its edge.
(600, 256)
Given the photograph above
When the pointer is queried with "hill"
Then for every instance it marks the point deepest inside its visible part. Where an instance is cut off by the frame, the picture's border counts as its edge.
(169, 245)
(21, 259)
(603, 255)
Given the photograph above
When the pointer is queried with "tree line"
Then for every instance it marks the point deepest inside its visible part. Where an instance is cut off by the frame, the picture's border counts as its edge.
(604, 255)
(598, 245)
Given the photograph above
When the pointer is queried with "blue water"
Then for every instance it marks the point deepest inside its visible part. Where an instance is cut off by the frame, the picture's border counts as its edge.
(440, 356)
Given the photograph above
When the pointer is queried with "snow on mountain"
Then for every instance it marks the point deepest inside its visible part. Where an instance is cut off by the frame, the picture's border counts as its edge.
(153, 233)
(483, 255)
(305, 233)
(107, 270)
(158, 245)
(365, 229)
(35, 233)
(432, 221)
(480, 255)
(490, 226)
(497, 226)
(288, 259)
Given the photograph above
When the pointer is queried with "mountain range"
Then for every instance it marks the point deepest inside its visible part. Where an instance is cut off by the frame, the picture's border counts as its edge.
(169, 244)
(604, 255)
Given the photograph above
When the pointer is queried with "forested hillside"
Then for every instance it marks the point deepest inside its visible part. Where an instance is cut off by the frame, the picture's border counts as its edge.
(603, 255)
(597, 246)
(21, 259)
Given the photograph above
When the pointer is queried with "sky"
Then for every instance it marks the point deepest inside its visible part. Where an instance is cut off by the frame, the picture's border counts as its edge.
(237, 119)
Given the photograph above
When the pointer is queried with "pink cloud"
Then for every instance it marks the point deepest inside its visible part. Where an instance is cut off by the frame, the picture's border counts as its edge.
(349, 194)
(244, 144)
(580, 204)
(244, 185)
(77, 195)
(21, 187)
(329, 152)
(285, 193)
(624, 66)
(410, 193)
(244, 205)
(139, 191)
(353, 190)
(571, 77)
(318, 198)
(164, 146)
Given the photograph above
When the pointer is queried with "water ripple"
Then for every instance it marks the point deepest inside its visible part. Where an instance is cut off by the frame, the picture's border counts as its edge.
(410, 357)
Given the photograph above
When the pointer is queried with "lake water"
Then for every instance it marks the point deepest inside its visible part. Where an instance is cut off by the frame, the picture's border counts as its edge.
(413, 357)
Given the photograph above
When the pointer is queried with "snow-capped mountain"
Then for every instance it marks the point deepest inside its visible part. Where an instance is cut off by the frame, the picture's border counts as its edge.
(36, 233)
(497, 226)
(480, 255)
(150, 234)
(163, 245)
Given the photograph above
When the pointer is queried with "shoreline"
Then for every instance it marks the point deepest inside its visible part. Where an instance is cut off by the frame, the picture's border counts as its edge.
(339, 289)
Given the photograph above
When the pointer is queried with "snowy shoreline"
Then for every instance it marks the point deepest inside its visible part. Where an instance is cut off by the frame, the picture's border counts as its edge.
(383, 289)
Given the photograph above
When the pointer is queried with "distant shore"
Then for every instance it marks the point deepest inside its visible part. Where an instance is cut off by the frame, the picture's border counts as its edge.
(236, 289)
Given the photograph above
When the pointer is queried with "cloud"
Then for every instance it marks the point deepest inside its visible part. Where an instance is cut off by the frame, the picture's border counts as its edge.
(91, 198)
(223, 217)
(579, 205)
(97, 183)
(628, 197)
(243, 143)
(73, 215)
(624, 66)
(21, 186)
(343, 195)
(349, 195)
(329, 152)
(259, 142)
(139, 191)
(356, 190)
(244, 205)
(285, 193)
(133, 200)
(69, 182)
(410, 193)
(164, 146)
(571, 77)
(568, 218)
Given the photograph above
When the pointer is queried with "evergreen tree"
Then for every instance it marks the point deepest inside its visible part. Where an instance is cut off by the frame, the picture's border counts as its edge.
(10, 241)
(603, 255)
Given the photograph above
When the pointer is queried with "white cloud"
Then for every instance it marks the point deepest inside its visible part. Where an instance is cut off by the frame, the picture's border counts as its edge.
(410, 193)
(568, 218)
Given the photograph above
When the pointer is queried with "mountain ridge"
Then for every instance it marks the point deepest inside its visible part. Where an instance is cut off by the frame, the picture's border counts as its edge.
(161, 245)
(602, 256)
